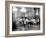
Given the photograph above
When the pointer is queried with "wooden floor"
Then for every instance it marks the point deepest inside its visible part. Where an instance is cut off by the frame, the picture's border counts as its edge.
(28, 27)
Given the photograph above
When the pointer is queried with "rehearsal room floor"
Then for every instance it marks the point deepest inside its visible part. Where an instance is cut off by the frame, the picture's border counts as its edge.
(28, 27)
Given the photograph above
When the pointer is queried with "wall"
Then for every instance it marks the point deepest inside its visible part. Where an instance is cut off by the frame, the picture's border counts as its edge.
(2, 19)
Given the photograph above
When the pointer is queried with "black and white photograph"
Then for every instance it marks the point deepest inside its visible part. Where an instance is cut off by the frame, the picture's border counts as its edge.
(25, 18)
